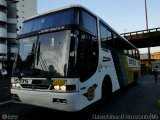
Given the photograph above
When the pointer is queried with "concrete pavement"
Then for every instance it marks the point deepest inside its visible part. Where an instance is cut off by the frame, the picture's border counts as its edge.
(5, 95)
(140, 98)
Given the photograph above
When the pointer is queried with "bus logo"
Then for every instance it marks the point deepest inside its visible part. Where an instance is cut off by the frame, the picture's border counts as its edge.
(90, 92)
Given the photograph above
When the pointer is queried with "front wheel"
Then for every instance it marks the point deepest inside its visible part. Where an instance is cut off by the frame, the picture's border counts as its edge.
(106, 90)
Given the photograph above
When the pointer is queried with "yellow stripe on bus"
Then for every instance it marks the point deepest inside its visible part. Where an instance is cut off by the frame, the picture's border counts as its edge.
(59, 82)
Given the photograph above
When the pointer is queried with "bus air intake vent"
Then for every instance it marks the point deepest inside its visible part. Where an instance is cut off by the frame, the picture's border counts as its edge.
(33, 86)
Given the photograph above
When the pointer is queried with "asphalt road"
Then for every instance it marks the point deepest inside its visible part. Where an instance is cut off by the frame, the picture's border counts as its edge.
(136, 101)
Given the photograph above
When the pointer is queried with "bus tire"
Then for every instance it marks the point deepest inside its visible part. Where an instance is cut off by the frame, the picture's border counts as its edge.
(106, 89)
(135, 77)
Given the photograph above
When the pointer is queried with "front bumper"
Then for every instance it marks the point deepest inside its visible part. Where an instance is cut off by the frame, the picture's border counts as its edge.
(53, 100)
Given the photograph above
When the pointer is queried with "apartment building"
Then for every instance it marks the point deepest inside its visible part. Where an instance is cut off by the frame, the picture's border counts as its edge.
(26, 8)
(5, 30)
(12, 14)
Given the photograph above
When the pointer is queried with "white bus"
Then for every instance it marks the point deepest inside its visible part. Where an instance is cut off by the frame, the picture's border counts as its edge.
(69, 58)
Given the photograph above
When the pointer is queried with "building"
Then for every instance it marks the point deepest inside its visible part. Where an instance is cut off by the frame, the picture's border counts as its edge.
(155, 55)
(8, 21)
(12, 14)
(11, 32)
(26, 8)
(155, 61)
(3, 32)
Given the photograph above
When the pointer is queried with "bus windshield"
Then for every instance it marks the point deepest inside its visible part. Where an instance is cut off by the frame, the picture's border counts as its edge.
(45, 55)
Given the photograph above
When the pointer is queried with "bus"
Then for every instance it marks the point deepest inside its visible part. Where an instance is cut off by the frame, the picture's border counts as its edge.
(69, 58)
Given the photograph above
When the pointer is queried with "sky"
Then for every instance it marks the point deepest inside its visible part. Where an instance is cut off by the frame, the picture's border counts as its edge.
(122, 15)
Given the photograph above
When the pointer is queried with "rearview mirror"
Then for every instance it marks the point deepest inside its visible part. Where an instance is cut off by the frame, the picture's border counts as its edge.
(3, 72)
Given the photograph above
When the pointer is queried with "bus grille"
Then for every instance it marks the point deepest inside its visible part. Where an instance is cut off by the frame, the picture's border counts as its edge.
(33, 86)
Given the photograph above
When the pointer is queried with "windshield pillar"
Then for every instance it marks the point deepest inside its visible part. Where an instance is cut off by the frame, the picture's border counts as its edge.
(72, 64)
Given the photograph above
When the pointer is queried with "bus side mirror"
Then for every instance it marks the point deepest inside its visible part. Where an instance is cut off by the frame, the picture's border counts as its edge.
(3, 72)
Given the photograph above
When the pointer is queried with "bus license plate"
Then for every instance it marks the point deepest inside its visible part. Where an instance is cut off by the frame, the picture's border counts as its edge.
(22, 81)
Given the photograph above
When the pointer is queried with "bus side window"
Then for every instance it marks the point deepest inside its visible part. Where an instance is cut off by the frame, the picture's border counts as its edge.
(133, 53)
(89, 22)
(130, 52)
(88, 55)
(125, 51)
(106, 37)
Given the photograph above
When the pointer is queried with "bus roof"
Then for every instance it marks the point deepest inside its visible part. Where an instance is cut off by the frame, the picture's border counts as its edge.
(76, 6)
(58, 9)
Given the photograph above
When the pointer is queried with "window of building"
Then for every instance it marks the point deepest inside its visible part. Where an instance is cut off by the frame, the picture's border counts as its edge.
(3, 9)
(12, 28)
(3, 40)
(3, 25)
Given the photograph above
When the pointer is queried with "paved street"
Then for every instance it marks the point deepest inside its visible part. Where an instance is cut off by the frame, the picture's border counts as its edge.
(138, 99)
(5, 90)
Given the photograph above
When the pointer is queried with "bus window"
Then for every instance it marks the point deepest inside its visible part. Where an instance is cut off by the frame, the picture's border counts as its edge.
(51, 20)
(89, 23)
(130, 52)
(118, 43)
(88, 55)
(134, 53)
(106, 36)
(125, 51)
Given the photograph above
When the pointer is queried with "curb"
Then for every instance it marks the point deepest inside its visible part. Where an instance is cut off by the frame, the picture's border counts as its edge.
(6, 102)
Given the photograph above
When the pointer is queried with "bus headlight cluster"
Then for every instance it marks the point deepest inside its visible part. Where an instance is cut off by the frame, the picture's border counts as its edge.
(16, 85)
(60, 87)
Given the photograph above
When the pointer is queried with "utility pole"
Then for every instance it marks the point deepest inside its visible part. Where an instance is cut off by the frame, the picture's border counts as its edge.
(146, 15)
(149, 53)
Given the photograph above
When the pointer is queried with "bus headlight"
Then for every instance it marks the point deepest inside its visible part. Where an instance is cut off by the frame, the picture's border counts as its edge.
(16, 85)
(63, 87)
(56, 87)
(13, 85)
(60, 87)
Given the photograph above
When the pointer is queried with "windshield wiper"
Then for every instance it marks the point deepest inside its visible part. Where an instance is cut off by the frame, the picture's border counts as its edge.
(42, 61)
(38, 53)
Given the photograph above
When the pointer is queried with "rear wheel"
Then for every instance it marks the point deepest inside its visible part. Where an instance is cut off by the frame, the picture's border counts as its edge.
(106, 89)
(135, 77)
